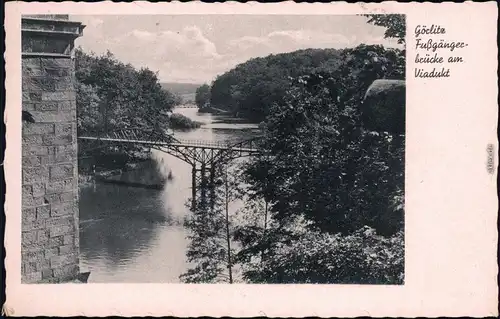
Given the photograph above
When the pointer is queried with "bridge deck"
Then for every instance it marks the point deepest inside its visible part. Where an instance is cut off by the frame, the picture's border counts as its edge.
(179, 143)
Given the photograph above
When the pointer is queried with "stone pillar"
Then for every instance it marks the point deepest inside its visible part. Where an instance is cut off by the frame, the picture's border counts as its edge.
(50, 241)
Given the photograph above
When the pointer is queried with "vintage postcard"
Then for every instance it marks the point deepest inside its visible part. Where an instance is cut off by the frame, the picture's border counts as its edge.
(288, 160)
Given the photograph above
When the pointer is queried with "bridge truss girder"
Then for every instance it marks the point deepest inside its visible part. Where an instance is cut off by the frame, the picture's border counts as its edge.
(205, 162)
(204, 157)
(198, 156)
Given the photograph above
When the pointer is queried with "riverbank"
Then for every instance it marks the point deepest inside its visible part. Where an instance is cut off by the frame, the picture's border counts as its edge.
(145, 173)
(212, 110)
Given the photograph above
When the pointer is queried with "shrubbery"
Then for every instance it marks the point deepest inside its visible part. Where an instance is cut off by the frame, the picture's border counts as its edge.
(181, 122)
(362, 257)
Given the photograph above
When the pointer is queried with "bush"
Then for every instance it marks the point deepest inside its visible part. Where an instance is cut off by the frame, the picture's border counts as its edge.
(362, 257)
(181, 122)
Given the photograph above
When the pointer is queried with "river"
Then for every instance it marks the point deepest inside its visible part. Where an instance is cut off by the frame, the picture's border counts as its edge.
(135, 235)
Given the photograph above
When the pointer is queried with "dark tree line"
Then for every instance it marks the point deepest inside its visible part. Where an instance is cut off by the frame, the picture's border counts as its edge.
(202, 96)
(111, 96)
(250, 89)
(324, 203)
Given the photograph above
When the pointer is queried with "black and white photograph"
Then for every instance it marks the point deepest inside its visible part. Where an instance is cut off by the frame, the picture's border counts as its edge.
(257, 149)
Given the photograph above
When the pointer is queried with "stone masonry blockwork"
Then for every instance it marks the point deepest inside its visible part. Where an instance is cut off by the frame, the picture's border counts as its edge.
(50, 238)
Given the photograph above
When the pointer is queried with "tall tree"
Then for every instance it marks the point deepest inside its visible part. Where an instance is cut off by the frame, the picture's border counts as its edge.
(211, 250)
(325, 162)
(202, 96)
(395, 24)
(127, 97)
(333, 185)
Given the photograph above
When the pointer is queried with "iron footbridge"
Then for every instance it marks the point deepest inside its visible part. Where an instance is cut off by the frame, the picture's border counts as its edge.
(205, 157)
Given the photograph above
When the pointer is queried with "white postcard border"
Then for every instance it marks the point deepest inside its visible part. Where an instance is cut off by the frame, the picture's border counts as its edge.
(451, 202)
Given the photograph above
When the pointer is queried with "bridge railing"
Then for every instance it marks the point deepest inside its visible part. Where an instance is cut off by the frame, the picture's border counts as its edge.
(224, 144)
(245, 144)
(128, 134)
(152, 137)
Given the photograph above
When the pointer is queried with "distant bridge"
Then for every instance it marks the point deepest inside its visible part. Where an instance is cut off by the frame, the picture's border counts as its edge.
(187, 106)
(203, 156)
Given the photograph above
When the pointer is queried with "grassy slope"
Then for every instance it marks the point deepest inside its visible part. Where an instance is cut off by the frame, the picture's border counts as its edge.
(186, 91)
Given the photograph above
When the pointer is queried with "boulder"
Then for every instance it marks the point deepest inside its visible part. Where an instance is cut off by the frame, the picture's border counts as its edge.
(383, 108)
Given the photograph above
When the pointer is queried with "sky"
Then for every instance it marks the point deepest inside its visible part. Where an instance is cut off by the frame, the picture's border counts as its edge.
(197, 48)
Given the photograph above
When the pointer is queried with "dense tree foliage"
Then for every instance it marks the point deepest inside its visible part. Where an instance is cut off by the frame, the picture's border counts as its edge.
(324, 200)
(293, 253)
(250, 89)
(322, 163)
(332, 188)
(202, 96)
(112, 96)
(395, 24)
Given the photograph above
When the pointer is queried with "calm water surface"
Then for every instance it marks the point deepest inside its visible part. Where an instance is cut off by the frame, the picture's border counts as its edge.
(130, 234)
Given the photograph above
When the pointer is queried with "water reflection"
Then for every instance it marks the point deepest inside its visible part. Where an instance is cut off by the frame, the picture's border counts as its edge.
(130, 234)
(120, 230)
